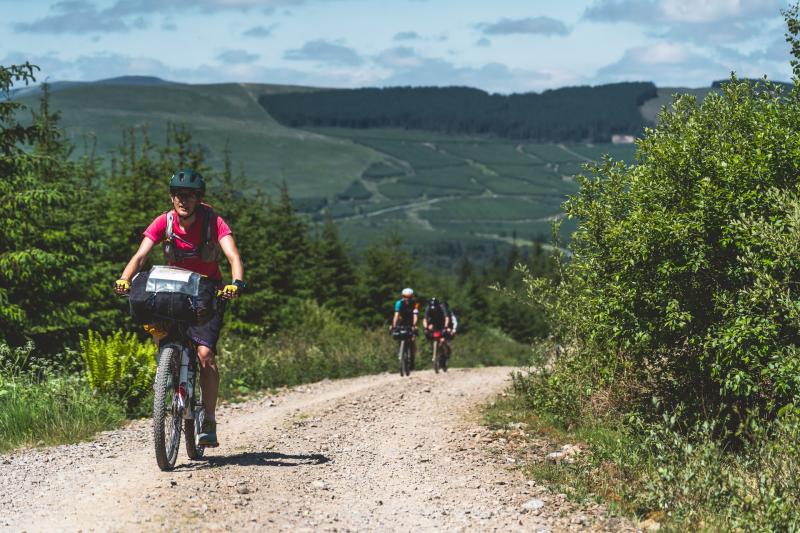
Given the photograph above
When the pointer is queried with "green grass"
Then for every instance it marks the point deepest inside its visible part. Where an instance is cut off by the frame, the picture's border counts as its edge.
(419, 155)
(516, 186)
(478, 209)
(549, 153)
(382, 170)
(57, 410)
(462, 177)
(686, 477)
(490, 152)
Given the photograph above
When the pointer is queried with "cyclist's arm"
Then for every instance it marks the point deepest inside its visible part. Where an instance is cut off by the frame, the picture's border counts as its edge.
(228, 246)
(138, 259)
(454, 322)
(395, 319)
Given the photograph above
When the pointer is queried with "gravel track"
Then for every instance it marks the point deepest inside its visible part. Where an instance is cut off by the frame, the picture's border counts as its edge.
(376, 453)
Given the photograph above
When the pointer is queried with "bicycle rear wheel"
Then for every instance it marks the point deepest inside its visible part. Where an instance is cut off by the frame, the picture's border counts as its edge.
(167, 415)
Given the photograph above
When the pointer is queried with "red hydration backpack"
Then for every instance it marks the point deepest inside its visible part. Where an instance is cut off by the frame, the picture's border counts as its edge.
(209, 250)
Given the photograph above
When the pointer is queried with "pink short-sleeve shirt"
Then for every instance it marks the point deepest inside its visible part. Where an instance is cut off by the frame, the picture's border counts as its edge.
(189, 240)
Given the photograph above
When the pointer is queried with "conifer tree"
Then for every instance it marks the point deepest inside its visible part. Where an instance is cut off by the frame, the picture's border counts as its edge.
(334, 276)
(387, 269)
(44, 237)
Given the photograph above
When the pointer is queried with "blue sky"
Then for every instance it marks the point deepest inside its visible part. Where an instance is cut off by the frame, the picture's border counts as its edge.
(500, 45)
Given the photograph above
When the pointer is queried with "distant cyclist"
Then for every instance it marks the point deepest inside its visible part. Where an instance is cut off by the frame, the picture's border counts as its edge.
(406, 314)
(450, 331)
(435, 319)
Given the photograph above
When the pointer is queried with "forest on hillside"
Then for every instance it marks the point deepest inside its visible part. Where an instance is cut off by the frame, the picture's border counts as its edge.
(69, 226)
(566, 114)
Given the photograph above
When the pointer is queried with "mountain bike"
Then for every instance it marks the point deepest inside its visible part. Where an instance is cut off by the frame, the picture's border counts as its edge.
(439, 354)
(167, 300)
(178, 400)
(405, 335)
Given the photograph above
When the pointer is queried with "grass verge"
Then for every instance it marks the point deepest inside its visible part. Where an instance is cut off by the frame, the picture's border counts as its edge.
(58, 409)
(683, 478)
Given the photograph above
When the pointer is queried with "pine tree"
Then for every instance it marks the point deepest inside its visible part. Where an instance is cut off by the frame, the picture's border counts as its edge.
(47, 244)
(387, 269)
(333, 273)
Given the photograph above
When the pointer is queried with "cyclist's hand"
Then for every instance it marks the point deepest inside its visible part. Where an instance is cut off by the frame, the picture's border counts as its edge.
(122, 286)
(229, 292)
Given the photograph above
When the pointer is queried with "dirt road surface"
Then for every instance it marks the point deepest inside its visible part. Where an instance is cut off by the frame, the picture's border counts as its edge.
(376, 453)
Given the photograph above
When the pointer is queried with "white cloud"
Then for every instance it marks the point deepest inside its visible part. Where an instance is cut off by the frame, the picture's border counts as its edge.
(664, 63)
(405, 66)
(406, 36)
(260, 31)
(237, 56)
(701, 21)
(529, 26)
(323, 51)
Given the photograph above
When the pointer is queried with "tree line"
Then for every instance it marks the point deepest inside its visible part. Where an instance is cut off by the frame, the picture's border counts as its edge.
(566, 114)
(69, 223)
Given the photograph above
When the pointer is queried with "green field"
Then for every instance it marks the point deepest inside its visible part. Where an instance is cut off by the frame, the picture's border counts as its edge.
(312, 165)
(432, 187)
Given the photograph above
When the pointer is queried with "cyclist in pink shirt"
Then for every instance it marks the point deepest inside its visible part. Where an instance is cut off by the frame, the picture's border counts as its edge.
(193, 236)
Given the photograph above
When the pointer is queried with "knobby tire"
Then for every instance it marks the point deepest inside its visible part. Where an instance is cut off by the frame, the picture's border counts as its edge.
(165, 419)
(436, 356)
(402, 354)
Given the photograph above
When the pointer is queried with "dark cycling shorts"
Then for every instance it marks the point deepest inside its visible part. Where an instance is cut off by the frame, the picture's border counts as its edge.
(208, 333)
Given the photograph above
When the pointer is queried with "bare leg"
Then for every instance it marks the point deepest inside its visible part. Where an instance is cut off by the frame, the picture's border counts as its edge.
(209, 379)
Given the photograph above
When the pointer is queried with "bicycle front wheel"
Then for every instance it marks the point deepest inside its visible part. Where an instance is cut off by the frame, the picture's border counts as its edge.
(167, 414)
(191, 427)
(436, 356)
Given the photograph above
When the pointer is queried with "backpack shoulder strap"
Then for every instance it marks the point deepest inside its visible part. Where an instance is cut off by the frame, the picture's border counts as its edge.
(210, 219)
(170, 221)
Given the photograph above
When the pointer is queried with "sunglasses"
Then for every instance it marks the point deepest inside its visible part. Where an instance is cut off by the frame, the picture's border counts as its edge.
(183, 194)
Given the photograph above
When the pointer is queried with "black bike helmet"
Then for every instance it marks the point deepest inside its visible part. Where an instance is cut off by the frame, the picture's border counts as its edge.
(188, 179)
(434, 302)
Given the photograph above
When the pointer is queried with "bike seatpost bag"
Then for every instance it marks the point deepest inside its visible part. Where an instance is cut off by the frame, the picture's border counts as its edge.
(171, 294)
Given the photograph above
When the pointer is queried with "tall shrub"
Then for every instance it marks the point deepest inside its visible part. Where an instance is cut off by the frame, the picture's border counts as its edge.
(683, 276)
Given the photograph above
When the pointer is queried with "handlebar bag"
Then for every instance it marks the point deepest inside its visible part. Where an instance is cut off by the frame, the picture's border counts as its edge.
(168, 293)
(401, 333)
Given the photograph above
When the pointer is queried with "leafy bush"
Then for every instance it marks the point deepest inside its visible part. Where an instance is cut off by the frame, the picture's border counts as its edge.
(119, 366)
(682, 281)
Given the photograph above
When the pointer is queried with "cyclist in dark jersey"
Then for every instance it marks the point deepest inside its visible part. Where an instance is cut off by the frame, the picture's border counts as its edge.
(452, 327)
(406, 313)
(436, 319)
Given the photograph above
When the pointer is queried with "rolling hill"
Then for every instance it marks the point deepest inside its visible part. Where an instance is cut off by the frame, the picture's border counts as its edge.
(446, 194)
